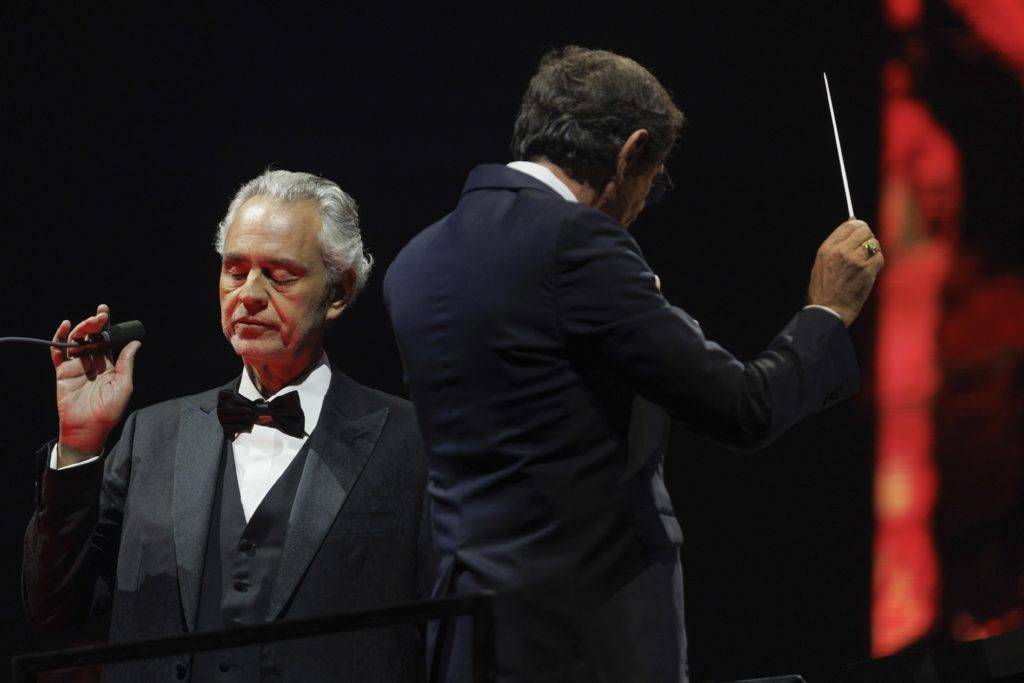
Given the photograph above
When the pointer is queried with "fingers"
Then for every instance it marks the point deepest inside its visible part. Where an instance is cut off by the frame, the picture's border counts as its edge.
(126, 360)
(876, 262)
(858, 236)
(61, 335)
(92, 362)
(844, 230)
(91, 325)
(854, 245)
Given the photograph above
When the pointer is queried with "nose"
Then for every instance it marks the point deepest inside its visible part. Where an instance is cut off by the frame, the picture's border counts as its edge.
(253, 293)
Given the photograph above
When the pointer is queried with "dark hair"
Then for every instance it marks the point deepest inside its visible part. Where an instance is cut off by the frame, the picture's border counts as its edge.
(581, 106)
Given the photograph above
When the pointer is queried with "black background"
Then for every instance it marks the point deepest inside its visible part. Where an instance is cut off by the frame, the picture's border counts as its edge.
(127, 131)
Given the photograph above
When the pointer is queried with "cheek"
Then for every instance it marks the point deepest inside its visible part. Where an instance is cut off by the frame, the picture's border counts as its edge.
(227, 299)
(305, 311)
(289, 309)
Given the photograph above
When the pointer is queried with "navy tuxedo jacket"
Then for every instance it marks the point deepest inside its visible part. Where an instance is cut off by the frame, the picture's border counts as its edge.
(134, 528)
(541, 360)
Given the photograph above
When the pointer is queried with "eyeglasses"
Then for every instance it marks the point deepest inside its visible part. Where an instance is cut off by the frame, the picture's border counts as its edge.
(661, 184)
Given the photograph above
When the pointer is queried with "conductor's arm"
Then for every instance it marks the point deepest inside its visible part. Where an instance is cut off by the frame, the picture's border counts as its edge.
(610, 311)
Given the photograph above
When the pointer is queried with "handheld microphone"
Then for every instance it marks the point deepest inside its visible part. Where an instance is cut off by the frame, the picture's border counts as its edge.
(114, 337)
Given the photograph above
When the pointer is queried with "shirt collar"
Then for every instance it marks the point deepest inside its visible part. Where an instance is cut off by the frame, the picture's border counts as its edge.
(312, 391)
(544, 174)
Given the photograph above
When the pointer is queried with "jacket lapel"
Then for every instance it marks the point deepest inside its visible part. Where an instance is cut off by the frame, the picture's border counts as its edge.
(196, 459)
(339, 449)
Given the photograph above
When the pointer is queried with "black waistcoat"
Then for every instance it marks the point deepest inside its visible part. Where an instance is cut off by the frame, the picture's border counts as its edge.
(240, 567)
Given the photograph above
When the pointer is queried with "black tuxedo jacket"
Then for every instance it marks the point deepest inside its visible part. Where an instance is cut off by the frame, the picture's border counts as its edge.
(540, 355)
(134, 527)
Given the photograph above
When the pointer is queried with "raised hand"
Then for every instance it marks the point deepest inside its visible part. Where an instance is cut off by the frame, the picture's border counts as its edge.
(845, 270)
(92, 390)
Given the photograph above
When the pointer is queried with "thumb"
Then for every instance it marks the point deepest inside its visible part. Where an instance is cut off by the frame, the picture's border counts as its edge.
(126, 359)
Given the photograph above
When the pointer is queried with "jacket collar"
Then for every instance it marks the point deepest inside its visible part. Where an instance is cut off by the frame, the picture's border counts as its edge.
(501, 177)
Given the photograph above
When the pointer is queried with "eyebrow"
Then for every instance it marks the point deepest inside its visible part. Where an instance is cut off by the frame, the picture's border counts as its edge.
(231, 257)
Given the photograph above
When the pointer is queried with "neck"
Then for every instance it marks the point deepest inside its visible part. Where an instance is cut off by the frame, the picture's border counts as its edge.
(270, 378)
(584, 193)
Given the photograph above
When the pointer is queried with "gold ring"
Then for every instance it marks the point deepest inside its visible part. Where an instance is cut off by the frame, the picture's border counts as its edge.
(872, 246)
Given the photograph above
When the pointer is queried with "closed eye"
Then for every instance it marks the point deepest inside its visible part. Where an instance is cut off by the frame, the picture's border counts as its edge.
(280, 276)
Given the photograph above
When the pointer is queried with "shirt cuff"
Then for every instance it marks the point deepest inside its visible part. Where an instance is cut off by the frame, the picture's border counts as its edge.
(824, 308)
(53, 460)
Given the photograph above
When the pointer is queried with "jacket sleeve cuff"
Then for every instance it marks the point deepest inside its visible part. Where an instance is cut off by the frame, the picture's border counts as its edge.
(70, 489)
(824, 308)
(834, 357)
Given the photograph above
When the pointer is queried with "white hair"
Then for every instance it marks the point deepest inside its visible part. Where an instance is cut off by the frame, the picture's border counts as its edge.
(340, 239)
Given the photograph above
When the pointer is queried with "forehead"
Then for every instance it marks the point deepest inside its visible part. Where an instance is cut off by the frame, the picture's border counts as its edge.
(270, 226)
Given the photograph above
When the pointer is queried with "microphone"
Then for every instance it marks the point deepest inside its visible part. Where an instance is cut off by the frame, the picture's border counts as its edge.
(114, 337)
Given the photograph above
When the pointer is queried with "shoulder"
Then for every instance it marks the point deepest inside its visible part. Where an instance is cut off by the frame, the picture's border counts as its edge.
(357, 400)
(587, 225)
(409, 255)
(399, 434)
(400, 411)
(401, 426)
(170, 410)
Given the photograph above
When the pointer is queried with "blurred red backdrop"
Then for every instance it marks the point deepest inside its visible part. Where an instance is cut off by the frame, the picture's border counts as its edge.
(949, 370)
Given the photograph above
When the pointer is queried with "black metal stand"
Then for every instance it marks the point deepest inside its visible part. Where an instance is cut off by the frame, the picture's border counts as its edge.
(480, 606)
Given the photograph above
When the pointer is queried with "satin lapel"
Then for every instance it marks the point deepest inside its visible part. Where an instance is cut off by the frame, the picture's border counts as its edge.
(197, 457)
(339, 449)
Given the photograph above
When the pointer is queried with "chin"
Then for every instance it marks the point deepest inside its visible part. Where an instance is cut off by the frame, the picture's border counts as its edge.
(256, 349)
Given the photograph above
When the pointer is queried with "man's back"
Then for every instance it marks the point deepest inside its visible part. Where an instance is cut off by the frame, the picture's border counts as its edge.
(527, 435)
(540, 356)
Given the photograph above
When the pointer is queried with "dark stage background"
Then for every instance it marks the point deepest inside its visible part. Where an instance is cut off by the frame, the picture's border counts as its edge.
(126, 132)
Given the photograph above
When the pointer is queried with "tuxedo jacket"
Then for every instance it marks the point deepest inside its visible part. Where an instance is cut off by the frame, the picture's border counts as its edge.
(542, 361)
(132, 530)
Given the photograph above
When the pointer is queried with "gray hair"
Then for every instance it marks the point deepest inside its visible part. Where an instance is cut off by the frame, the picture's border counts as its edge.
(340, 239)
(583, 104)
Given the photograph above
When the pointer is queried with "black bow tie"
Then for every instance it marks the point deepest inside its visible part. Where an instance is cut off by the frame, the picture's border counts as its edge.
(238, 414)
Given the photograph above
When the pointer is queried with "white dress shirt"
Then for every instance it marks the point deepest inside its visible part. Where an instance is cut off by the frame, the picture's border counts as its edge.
(262, 455)
(545, 175)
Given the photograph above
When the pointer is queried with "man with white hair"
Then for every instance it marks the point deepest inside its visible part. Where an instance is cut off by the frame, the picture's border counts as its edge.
(291, 491)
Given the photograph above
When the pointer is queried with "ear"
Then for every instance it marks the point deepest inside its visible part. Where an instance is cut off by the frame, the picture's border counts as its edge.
(624, 161)
(341, 294)
(630, 152)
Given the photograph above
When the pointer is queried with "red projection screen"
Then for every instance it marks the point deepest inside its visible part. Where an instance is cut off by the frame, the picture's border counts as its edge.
(949, 356)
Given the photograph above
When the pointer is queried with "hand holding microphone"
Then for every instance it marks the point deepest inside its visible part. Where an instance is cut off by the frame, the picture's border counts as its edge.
(92, 388)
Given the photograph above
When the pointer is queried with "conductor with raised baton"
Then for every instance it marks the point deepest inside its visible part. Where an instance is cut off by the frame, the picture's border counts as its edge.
(544, 363)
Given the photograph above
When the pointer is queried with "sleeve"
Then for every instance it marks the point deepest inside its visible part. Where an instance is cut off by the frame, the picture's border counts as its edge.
(824, 308)
(610, 312)
(72, 539)
(53, 460)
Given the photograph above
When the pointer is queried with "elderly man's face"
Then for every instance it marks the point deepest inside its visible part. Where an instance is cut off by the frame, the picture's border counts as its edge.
(274, 293)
